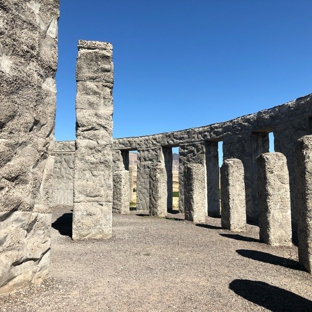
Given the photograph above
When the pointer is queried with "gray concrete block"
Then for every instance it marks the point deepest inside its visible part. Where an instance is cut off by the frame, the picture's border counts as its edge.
(233, 201)
(274, 200)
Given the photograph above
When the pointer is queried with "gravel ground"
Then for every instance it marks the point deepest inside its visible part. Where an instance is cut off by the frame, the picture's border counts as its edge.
(154, 264)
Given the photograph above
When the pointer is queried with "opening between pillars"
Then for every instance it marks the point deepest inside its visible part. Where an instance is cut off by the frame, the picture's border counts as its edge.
(171, 159)
(130, 160)
(214, 159)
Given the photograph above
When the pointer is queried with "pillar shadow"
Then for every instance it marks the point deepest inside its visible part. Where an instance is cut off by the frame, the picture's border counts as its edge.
(64, 224)
(270, 297)
(142, 215)
(208, 226)
(272, 259)
(241, 237)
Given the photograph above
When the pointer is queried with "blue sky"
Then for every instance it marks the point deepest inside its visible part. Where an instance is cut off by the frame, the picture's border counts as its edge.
(188, 63)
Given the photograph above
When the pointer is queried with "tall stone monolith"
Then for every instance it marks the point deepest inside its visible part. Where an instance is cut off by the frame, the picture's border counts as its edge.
(233, 201)
(158, 191)
(274, 200)
(28, 62)
(195, 200)
(121, 202)
(303, 169)
(93, 180)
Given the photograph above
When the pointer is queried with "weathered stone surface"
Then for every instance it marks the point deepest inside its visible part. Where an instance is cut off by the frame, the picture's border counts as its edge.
(92, 220)
(303, 169)
(247, 147)
(93, 179)
(130, 183)
(63, 173)
(146, 160)
(121, 192)
(190, 154)
(245, 138)
(274, 200)
(195, 200)
(158, 191)
(28, 61)
(233, 212)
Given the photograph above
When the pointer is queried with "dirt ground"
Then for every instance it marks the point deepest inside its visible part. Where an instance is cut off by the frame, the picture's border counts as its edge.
(153, 264)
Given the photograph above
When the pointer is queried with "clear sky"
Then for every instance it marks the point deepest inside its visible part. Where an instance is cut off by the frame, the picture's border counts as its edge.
(188, 63)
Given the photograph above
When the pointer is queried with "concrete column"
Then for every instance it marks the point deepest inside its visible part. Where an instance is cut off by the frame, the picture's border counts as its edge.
(130, 183)
(147, 159)
(274, 200)
(212, 165)
(158, 191)
(93, 181)
(191, 154)
(233, 212)
(285, 140)
(247, 147)
(63, 174)
(121, 192)
(28, 62)
(303, 169)
(195, 194)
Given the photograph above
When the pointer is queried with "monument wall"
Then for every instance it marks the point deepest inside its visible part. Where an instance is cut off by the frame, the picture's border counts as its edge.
(28, 62)
(244, 138)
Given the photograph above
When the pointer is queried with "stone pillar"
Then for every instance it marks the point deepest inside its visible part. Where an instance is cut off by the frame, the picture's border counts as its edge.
(247, 147)
(233, 212)
(158, 192)
(147, 158)
(212, 164)
(191, 154)
(130, 183)
(121, 192)
(63, 174)
(195, 195)
(285, 139)
(28, 62)
(303, 169)
(274, 200)
(93, 181)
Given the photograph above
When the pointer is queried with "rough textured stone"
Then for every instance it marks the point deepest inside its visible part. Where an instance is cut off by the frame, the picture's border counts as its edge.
(233, 212)
(121, 192)
(303, 167)
(146, 160)
(245, 138)
(94, 222)
(63, 173)
(130, 184)
(93, 180)
(158, 191)
(28, 61)
(274, 200)
(195, 194)
(190, 154)
(25, 249)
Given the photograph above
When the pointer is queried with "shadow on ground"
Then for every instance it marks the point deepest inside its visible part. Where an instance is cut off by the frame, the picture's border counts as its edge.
(64, 224)
(270, 297)
(272, 259)
(208, 226)
(240, 237)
